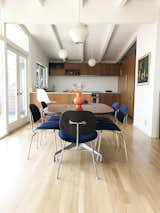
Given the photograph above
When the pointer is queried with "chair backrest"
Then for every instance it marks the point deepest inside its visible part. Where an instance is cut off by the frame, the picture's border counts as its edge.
(123, 109)
(122, 113)
(36, 115)
(42, 96)
(77, 116)
(115, 105)
(44, 105)
(85, 102)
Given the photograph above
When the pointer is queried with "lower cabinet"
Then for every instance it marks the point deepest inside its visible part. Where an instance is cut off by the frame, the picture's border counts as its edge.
(109, 98)
(59, 98)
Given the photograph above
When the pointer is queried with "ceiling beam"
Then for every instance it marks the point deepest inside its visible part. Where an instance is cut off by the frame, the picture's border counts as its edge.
(84, 52)
(42, 2)
(2, 2)
(128, 45)
(121, 3)
(110, 31)
(84, 2)
(54, 29)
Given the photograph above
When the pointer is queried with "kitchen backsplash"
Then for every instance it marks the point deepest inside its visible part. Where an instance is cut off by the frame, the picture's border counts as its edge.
(92, 83)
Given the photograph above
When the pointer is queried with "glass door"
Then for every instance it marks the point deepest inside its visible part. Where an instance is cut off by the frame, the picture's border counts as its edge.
(22, 92)
(16, 89)
(2, 92)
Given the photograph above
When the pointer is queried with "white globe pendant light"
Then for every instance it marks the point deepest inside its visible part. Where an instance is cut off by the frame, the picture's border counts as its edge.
(79, 33)
(91, 62)
(63, 54)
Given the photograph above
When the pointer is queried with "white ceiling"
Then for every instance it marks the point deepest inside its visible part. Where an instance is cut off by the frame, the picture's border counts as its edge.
(95, 45)
(106, 42)
(92, 11)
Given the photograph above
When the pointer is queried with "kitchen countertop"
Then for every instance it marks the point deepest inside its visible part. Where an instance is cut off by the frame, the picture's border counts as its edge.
(84, 92)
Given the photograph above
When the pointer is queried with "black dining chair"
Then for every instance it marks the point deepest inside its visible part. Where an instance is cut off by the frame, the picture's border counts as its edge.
(37, 124)
(78, 128)
(46, 115)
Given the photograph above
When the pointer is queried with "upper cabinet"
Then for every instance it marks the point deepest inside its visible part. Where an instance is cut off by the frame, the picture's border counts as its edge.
(56, 69)
(100, 69)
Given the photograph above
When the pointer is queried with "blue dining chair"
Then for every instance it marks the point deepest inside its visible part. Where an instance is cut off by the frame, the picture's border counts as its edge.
(122, 114)
(115, 107)
(78, 128)
(105, 124)
(46, 115)
(37, 124)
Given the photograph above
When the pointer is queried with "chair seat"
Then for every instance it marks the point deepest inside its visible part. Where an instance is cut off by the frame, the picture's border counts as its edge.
(82, 138)
(103, 119)
(53, 118)
(49, 125)
(107, 126)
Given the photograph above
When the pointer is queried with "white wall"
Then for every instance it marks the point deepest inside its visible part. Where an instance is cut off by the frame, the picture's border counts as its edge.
(36, 54)
(144, 94)
(156, 106)
(93, 83)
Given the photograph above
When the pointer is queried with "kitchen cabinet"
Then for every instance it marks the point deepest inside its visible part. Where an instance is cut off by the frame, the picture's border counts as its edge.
(56, 69)
(59, 97)
(127, 82)
(100, 69)
(109, 98)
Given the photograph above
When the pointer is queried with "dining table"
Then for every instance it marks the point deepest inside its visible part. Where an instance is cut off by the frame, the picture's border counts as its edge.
(95, 108)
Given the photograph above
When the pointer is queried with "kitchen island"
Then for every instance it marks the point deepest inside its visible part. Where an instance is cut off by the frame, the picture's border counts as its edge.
(60, 97)
(67, 97)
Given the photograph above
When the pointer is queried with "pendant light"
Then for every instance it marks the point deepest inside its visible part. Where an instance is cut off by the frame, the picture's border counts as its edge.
(63, 54)
(79, 33)
(91, 62)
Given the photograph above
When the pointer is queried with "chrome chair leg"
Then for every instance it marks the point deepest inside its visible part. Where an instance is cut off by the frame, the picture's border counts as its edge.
(125, 147)
(94, 161)
(99, 143)
(60, 161)
(31, 145)
(55, 140)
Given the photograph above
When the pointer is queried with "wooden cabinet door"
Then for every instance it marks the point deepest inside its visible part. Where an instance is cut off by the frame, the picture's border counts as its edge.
(53, 71)
(109, 98)
(131, 83)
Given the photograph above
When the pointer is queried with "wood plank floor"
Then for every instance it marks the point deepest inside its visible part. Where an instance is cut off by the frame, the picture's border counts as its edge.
(31, 186)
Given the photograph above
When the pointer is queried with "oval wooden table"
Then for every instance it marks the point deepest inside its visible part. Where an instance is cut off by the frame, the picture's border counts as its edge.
(96, 108)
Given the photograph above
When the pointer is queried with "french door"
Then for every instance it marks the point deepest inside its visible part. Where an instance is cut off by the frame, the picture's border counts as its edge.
(16, 89)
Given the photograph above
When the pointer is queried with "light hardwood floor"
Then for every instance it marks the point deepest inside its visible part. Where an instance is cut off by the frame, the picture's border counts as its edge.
(31, 186)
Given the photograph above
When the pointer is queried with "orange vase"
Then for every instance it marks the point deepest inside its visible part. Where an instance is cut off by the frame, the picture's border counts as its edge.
(78, 101)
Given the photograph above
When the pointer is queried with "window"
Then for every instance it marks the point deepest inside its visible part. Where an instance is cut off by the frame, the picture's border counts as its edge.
(2, 91)
(1, 28)
(15, 34)
(41, 76)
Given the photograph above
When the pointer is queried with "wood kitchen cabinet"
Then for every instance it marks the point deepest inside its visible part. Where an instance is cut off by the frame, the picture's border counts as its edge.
(59, 97)
(57, 70)
(109, 69)
(127, 82)
(100, 69)
(109, 98)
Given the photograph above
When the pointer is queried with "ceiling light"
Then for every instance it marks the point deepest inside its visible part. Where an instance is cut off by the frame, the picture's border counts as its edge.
(63, 54)
(91, 62)
(79, 33)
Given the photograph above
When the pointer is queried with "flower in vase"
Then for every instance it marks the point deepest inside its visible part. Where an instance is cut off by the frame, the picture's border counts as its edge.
(78, 87)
